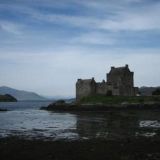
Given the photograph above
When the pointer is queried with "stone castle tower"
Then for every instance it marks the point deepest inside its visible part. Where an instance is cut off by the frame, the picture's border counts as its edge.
(119, 82)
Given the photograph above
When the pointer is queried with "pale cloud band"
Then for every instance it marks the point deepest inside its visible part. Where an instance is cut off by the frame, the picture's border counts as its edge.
(56, 73)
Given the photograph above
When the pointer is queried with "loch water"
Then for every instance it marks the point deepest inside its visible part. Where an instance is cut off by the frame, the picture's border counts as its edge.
(26, 120)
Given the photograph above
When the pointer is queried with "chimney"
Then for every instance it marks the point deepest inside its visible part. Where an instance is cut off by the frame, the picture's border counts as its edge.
(112, 67)
(126, 65)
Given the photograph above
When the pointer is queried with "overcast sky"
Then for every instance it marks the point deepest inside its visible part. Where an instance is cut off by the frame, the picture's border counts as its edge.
(45, 45)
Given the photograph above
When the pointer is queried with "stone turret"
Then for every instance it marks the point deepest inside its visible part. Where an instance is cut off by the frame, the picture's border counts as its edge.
(85, 88)
(121, 78)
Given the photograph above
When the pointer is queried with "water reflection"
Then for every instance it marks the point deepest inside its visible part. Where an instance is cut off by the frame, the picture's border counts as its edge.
(37, 124)
(115, 125)
(34, 123)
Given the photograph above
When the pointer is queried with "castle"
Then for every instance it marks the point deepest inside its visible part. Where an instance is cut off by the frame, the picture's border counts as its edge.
(119, 82)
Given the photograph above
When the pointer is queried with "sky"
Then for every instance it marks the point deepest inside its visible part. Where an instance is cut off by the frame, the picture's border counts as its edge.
(46, 45)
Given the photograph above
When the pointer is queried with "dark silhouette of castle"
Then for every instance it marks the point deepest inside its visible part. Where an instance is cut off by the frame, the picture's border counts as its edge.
(119, 83)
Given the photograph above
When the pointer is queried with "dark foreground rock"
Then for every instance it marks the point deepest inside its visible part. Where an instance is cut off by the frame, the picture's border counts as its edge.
(1, 110)
(95, 149)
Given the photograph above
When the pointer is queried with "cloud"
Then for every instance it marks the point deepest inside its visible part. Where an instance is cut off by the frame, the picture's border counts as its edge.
(94, 38)
(106, 15)
(55, 73)
(10, 27)
(142, 18)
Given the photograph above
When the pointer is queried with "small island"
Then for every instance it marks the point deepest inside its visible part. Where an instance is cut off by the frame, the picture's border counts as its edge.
(117, 92)
(106, 103)
(7, 98)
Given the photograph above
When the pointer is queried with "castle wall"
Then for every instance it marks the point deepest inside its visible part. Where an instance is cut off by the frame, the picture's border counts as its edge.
(115, 91)
(101, 88)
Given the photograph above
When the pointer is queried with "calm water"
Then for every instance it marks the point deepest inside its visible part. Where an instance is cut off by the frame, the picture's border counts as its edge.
(26, 120)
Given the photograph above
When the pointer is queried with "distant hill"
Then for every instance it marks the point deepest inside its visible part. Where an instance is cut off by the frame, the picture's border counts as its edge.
(147, 91)
(7, 98)
(21, 95)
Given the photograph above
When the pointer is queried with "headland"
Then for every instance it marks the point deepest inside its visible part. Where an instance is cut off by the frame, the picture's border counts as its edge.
(7, 98)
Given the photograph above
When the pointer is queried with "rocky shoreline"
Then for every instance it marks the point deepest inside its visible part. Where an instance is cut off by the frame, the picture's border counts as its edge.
(14, 148)
(98, 107)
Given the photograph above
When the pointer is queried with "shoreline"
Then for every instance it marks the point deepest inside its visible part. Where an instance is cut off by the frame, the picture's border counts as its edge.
(14, 148)
(100, 107)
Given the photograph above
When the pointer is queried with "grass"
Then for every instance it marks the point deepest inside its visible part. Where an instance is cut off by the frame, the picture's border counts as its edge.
(101, 99)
